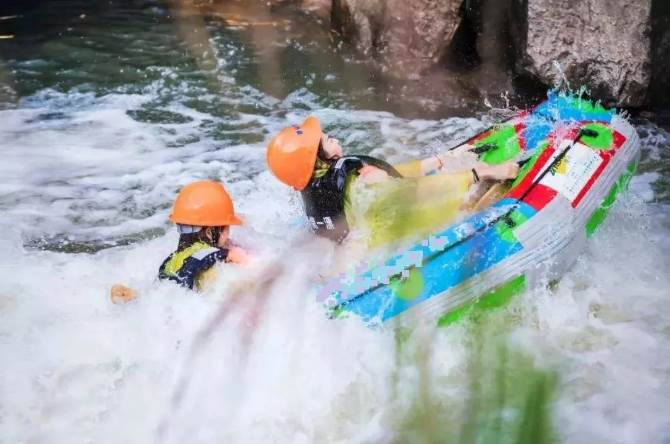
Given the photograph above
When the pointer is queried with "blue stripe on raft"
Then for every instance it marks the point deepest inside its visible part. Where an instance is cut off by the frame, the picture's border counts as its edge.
(523, 207)
(445, 271)
(414, 256)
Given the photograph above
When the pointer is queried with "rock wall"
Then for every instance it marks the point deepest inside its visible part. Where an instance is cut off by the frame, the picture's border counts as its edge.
(407, 37)
(618, 49)
(602, 44)
(660, 71)
(320, 8)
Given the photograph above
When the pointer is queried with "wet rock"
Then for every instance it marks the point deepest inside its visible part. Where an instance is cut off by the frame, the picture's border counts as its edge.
(601, 44)
(491, 22)
(660, 79)
(318, 8)
(486, 52)
(407, 37)
(356, 20)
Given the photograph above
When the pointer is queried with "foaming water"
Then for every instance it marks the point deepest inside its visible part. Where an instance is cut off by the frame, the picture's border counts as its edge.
(89, 171)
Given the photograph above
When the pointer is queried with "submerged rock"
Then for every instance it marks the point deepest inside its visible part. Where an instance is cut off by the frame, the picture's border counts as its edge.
(601, 44)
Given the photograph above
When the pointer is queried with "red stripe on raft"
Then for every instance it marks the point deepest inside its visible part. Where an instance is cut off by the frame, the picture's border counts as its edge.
(572, 133)
(519, 128)
(618, 139)
(518, 191)
(540, 196)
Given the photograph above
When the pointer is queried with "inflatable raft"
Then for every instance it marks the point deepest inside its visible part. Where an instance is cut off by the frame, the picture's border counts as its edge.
(578, 157)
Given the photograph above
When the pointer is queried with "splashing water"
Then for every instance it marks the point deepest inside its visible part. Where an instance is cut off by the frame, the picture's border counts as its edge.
(561, 81)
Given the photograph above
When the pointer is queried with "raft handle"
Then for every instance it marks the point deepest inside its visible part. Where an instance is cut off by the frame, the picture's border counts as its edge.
(481, 149)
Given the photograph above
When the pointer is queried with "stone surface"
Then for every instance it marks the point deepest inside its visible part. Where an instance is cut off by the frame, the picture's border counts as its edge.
(659, 91)
(601, 44)
(319, 8)
(407, 37)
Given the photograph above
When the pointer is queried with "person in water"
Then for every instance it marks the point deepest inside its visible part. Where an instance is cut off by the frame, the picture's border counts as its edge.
(203, 212)
(310, 161)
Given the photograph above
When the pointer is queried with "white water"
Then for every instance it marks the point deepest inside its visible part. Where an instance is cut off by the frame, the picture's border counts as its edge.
(273, 369)
(77, 367)
(251, 362)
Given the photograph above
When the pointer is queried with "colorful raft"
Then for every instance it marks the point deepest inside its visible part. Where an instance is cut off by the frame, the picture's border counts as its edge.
(580, 156)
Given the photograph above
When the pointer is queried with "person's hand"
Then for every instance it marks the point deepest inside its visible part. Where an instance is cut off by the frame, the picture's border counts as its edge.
(503, 171)
(369, 174)
(237, 255)
(461, 150)
(461, 154)
(120, 294)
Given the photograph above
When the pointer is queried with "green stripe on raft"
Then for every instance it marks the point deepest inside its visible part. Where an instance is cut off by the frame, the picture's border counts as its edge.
(601, 212)
(497, 297)
(506, 142)
(603, 140)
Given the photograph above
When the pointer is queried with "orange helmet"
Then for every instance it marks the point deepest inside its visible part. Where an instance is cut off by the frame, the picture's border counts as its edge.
(292, 153)
(204, 204)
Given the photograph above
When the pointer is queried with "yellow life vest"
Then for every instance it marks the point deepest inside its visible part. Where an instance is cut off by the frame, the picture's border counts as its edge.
(192, 266)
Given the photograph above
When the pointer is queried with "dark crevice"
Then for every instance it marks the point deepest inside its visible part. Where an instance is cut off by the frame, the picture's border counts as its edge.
(659, 90)
(529, 89)
(461, 54)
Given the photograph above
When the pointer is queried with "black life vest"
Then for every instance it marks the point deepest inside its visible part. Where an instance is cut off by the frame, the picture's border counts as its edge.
(185, 266)
(323, 197)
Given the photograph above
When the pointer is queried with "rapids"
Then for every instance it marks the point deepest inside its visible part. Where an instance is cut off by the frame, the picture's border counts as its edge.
(107, 110)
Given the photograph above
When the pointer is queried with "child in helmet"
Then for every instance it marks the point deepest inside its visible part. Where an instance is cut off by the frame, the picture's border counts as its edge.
(203, 212)
(310, 161)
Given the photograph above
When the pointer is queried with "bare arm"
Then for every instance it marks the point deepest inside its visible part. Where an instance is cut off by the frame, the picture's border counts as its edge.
(480, 171)
(436, 162)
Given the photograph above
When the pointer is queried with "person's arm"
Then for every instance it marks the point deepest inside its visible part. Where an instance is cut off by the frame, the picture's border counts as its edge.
(417, 168)
(432, 163)
(423, 167)
(482, 171)
(237, 255)
(439, 160)
(411, 168)
(503, 171)
(369, 174)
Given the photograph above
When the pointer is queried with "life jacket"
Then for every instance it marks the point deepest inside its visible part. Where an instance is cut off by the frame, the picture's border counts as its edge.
(324, 196)
(186, 266)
